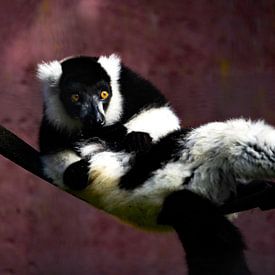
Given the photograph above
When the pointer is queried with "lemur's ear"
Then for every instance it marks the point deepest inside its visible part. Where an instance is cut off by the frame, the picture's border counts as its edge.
(49, 73)
(112, 65)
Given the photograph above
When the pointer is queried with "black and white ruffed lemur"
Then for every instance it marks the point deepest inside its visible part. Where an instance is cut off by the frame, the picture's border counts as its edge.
(110, 138)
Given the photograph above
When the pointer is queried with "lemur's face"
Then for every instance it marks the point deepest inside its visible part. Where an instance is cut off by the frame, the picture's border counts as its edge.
(85, 91)
(86, 102)
(82, 91)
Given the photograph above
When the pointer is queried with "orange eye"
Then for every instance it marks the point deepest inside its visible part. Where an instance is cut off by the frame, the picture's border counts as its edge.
(74, 98)
(104, 95)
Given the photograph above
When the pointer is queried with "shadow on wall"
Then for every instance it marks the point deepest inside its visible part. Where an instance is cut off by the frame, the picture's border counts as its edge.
(213, 60)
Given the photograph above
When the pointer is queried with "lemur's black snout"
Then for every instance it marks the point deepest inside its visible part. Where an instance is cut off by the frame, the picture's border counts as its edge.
(92, 117)
(99, 118)
(94, 121)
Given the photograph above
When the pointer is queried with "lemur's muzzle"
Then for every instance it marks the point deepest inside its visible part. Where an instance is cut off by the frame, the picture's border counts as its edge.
(92, 117)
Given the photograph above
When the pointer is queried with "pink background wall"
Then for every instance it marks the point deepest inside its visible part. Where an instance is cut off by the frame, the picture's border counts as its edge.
(213, 59)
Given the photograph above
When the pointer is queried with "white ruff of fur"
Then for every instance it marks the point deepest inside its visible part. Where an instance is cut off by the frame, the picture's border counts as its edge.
(112, 65)
(157, 122)
(49, 74)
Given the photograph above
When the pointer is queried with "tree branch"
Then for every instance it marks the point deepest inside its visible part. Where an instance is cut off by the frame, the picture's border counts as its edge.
(21, 153)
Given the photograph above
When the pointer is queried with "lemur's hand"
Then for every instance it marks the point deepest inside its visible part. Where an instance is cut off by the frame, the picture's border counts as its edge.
(138, 142)
(76, 175)
(117, 138)
(113, 134)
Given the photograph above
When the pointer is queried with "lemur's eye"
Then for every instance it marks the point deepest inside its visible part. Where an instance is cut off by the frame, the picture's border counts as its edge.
(75, 98)
(104, 95)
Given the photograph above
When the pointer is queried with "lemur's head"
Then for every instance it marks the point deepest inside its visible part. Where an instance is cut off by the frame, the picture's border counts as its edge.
(82, 91)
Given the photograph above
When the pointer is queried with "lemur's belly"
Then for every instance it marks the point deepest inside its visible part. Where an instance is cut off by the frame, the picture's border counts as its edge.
(139, 211)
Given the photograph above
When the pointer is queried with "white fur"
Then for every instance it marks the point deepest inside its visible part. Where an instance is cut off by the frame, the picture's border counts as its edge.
(112, 65)
(89, 150)
(225, 151)
(109, 165)
(49, 74)
(157, 122)
(55, 112)
(54, 165)
(100, 108)
(235, 141)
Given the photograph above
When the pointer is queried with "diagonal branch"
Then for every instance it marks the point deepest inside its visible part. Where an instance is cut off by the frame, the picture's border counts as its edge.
(21, 153)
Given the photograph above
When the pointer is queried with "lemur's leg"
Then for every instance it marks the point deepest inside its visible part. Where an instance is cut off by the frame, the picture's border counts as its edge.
(67, 169)
(76, 175)
(213, 245)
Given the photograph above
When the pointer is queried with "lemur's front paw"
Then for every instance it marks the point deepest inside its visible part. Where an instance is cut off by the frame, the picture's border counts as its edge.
(76, 175)
(138, 142)
(112, 133)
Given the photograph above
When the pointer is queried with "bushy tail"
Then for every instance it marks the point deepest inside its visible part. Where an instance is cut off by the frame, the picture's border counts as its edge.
(247, 147)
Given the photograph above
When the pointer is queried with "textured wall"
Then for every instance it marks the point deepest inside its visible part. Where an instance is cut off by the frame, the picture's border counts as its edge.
(213, 59)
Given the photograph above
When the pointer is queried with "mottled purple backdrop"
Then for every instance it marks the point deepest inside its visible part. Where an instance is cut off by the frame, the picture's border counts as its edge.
(213, 59)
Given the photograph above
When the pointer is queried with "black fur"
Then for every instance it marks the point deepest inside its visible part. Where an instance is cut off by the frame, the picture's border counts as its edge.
(213, 245)
(83, 68)
(76, 175)
(53, 140)
(113, 136)
(137, 142)
(138, 94)
(166, 149)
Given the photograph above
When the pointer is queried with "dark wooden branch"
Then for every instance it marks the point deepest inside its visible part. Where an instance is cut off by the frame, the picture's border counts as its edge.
(257, 194)
(21, 153)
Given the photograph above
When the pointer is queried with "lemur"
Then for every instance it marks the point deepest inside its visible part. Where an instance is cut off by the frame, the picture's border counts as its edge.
(109, 137)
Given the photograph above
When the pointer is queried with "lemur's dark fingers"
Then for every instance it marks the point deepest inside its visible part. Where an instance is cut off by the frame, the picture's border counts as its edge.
(138, 142)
